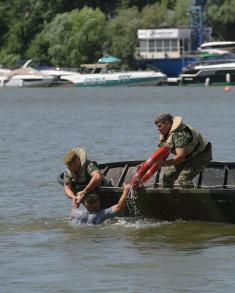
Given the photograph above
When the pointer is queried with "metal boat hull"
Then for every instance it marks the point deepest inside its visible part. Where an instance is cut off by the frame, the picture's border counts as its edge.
(177, 204)
(212, 199)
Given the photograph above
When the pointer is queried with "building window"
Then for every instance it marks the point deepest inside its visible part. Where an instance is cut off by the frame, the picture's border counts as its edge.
(143, 45)
(167, 47)
(151, 46)
(159, 44)
(181, 47)
(174, 45)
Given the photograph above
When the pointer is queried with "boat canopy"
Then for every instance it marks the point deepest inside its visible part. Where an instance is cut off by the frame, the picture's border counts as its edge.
(25, 71)
(97, 68)
(108, 59)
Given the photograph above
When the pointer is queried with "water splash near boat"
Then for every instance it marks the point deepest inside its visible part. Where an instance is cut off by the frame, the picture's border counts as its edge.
(132, 203)
(138, 223)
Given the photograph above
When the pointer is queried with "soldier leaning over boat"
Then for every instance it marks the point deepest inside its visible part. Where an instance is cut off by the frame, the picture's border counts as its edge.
(81, 175)
(192, 152)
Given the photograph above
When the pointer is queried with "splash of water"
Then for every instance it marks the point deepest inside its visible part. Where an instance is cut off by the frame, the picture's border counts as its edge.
(137, 223)
(132, 203)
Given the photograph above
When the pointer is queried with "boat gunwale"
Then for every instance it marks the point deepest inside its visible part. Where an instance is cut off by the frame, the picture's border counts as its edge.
(136, 162)
(158, 186)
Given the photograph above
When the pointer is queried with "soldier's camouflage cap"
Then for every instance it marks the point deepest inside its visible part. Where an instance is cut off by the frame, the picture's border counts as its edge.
(162, 116)
(70, 156)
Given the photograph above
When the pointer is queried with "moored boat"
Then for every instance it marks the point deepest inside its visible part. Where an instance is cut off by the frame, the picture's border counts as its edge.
(102, 74)
(53, 72)
(226, 46)
(217, 70)
(25, 77)
(212, 199)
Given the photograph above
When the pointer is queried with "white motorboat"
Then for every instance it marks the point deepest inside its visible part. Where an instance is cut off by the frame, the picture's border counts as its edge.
(224, 46)
(103, 75)
(25, 77)
(55, 72)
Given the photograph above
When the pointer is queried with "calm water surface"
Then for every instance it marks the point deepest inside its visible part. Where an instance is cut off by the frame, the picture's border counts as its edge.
(41, 252)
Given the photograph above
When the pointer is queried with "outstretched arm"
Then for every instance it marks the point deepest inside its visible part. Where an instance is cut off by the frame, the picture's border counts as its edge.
(122, 201)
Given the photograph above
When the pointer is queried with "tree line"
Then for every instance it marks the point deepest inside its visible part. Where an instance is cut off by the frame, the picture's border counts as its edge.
(68, 33)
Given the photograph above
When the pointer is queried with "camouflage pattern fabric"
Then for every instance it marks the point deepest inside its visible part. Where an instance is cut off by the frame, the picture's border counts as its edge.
(74, 177)
(182, 138)
(91, 167)
(186, 171)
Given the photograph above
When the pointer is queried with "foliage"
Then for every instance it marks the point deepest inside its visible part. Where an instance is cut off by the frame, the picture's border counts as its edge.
(181, 13)
(8, 60)
(71, 38)
(121, 33)
(155, 15)
(221, 16)
(76, 31)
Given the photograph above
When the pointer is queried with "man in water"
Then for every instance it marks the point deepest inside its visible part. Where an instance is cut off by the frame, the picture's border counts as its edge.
(80, 172)
(192, 152)
(93, 214)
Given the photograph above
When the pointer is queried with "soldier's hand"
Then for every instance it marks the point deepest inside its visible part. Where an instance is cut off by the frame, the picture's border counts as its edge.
(80, 196)
(81, 193)
(75, 204)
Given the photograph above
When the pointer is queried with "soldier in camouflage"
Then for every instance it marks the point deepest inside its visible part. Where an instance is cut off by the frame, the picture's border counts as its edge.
(192, 152)
(80, 172)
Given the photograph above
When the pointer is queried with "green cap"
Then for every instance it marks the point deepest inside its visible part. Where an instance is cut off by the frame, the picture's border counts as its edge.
(70, 156)
(162, 116)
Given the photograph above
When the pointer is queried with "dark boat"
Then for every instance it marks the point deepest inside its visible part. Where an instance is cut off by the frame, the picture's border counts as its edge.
(217, 70)
(212, 198)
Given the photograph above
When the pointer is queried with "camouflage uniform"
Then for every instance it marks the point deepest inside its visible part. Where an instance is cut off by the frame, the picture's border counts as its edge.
(81, 177)
(192, 166)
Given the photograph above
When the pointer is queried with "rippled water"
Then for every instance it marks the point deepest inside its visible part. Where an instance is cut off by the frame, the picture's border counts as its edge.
(42, 252)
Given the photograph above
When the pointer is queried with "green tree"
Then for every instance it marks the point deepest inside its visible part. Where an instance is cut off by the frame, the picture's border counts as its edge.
(71, 38)
(75, 31)
(39, 48)
(181, 13)
(220, 15)
(155, 15)
(121, 34)
(24, 18)
(3, 22)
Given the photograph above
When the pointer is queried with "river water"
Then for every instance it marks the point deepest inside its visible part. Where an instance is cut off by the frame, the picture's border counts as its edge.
(41, 252)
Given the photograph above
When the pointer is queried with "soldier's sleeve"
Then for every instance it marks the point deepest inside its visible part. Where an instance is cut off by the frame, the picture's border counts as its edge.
(91, 167)
(182, 138)
(67, 178)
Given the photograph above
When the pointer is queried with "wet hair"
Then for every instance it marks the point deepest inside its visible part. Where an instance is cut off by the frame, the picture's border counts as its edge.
(91, 198)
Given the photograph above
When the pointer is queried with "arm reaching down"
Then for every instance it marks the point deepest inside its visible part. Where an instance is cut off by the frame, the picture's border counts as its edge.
(69, 193)
(96, 179)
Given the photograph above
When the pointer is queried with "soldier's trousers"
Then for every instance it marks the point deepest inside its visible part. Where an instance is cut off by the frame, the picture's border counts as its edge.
(186, 171)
